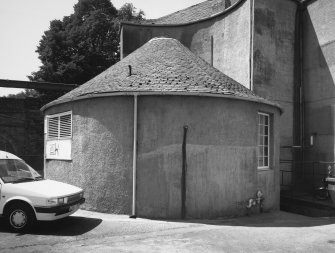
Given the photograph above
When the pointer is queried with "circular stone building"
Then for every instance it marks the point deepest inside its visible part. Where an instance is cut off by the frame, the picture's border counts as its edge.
(162, 134)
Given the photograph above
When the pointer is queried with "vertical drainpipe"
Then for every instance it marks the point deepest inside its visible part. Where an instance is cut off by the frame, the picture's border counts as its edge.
(183, 175)
(298, 97)
(44, 150)
(251, 56)
(303, 7)
(121, 43)
(301, 90)
(300, 71)
(133, 212)
(212, 50)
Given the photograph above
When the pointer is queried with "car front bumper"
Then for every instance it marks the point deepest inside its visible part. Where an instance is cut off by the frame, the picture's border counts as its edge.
(58, 212)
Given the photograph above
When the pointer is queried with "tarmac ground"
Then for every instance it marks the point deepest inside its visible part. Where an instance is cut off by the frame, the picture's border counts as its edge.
(87, 231)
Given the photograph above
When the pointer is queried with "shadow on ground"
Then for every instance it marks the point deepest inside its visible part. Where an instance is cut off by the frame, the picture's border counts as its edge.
(273, 219)
(70, 226)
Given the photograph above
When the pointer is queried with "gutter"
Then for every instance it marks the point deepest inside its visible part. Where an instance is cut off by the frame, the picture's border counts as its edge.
(157, 93)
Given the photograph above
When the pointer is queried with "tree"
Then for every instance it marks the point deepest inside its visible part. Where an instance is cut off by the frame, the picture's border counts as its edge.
(83, 44)
(128, 12)
(27, 93)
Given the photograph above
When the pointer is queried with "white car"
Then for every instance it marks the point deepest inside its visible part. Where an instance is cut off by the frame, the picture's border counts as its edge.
(25, 196)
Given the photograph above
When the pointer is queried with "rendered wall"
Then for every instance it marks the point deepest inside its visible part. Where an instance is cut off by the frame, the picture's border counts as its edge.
(221, 157)
(319, 79)
(231, 40)
(102, 148)
(273, 62)
(221, 147)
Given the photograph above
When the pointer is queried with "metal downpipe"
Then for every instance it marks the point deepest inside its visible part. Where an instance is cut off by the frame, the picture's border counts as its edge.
(183, 175)
(133, 212)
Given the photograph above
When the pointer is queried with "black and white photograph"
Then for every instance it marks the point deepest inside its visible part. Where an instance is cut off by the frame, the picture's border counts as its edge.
(167, 126)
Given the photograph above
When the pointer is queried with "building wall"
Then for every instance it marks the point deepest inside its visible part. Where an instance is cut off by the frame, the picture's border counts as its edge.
(221, 148)
(231, 40)
(270, 70)
(102, 147)
(274, 64)
(319, 79)
(221, 157)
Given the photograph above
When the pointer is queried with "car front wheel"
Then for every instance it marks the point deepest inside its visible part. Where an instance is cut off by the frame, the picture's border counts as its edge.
(20, 217)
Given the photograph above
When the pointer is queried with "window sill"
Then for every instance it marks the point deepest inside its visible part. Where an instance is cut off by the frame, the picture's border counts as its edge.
(263, 169)
(58, 139)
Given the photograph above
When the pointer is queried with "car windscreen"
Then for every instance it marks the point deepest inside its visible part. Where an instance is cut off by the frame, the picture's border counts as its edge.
(16, 171)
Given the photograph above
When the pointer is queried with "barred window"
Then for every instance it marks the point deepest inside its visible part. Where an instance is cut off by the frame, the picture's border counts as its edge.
(263, 140)
(59, 126)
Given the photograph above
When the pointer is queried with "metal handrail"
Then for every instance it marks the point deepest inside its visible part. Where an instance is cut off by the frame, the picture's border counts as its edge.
(314, 173)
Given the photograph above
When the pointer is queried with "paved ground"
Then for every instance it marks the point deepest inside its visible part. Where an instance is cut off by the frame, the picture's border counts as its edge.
(96, 232)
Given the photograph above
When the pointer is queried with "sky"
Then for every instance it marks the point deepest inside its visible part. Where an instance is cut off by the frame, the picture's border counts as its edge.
(23, 22)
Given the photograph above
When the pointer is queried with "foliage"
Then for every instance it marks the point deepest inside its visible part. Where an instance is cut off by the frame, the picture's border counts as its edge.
(24, 94)
(83, 44)
(128, 13)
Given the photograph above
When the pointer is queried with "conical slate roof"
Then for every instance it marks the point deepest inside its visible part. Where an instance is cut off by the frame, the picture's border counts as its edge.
(162, 66)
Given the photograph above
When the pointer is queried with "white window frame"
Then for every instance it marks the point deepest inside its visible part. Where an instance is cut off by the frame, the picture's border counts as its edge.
(57, 147)
(58, 115)
(263, 145)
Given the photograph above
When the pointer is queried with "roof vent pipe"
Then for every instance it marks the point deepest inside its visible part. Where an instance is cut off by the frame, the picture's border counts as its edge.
(129, 66)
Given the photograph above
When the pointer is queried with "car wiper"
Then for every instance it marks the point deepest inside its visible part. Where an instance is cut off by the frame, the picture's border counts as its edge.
(39, 178)
(24, 179)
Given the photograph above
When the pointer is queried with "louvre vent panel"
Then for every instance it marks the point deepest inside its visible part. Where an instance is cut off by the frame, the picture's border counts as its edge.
(53, 127)
(65, 126)
(60, 126)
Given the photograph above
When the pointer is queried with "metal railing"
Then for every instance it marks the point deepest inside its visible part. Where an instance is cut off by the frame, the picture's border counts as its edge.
(305, 174)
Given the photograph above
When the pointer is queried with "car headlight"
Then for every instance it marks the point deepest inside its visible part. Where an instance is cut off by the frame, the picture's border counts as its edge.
(52, 202)
(60, 201)
(57, 201)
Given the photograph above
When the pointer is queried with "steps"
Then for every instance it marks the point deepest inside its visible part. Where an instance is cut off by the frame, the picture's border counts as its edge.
(305, 204)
